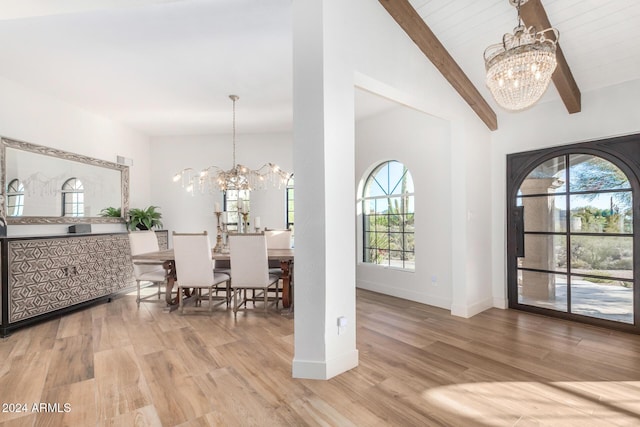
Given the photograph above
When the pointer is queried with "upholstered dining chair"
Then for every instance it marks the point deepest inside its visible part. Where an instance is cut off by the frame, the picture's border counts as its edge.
(195, 269)
(223, 266)
(277, 239)
(250, 270)
(142, 242)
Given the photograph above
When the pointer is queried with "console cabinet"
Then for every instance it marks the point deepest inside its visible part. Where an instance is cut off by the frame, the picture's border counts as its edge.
(47, 276)
(163, 239)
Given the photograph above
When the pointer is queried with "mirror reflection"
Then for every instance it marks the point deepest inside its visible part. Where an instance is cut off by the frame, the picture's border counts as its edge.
(15, 198)
(56, 186)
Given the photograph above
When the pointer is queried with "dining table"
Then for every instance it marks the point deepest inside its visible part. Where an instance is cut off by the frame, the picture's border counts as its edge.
(166, 257)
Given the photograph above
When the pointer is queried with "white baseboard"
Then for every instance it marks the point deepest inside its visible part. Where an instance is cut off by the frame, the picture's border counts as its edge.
(324, 370)
(405, 294)
(500, 303)
(471, 310)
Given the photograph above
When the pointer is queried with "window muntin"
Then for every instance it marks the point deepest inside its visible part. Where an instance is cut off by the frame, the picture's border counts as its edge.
(388, 217)
(15, 198)
(73, 198)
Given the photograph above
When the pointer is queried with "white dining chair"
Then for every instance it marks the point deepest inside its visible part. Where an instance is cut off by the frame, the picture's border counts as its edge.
(250, 271)
(195, 270)
(277, 239)
(149, 271)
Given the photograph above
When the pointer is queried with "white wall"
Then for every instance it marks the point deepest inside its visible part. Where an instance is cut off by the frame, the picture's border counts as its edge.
(338, 46)
(471, 212)
(605, 113)
(423, 144)
(183, 212)
(34, 117)
(388, 63)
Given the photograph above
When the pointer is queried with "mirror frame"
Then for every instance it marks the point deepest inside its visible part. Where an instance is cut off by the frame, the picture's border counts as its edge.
(66, 155)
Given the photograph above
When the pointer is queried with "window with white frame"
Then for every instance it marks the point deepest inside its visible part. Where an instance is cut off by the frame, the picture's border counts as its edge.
(73, 197)
(388, 217)
(15, 198)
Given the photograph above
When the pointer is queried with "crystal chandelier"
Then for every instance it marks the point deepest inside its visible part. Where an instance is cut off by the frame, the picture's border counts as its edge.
(239, 177)
(519, 69)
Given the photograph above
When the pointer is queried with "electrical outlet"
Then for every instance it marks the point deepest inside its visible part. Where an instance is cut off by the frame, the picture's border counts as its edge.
(342, 324)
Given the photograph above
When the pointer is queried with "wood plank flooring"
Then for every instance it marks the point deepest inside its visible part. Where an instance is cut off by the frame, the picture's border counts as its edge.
(117, 365)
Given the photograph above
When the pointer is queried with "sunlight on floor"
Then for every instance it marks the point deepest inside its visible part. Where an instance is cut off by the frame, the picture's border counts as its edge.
(542, 404)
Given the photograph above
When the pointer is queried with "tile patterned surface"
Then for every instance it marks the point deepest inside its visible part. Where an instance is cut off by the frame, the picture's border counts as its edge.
(49, 274)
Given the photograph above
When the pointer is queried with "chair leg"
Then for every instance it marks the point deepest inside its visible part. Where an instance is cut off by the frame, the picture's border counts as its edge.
(266, 299)
(235, 302)
(138, 297)
(181, 304)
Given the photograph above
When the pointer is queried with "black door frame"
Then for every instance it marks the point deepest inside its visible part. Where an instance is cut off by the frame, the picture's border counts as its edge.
(624, 152)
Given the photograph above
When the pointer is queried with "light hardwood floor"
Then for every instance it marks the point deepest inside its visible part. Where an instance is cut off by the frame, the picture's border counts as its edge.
(116, 365)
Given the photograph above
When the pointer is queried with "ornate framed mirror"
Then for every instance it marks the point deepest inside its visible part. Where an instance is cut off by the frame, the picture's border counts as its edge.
(44, 185)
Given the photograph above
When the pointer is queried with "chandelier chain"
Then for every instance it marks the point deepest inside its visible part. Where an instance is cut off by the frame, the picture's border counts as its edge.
(234, 98)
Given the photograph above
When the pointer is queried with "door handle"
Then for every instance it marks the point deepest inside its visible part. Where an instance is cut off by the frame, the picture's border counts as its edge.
(518, 222)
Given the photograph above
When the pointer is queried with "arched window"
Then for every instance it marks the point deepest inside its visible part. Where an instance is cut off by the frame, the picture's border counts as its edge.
(15, 198)
(73, 197)
(290, 198)
(388, 217)
(234, 202)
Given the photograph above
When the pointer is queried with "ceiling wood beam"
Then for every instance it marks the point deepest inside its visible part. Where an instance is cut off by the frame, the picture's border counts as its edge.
(415, 27)
(533, 14)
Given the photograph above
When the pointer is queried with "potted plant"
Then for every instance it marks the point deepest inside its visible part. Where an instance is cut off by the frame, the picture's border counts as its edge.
(144, 219)
(111, 212)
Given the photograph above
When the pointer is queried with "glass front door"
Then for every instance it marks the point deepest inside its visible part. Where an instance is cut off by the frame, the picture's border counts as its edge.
(572, 245)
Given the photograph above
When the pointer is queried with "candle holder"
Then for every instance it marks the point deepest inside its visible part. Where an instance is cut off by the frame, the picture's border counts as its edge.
(245, 222)
(225, 239)
(218, 247)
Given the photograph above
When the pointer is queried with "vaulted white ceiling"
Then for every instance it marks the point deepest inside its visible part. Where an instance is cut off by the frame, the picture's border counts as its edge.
(167, 66)
(600, 38)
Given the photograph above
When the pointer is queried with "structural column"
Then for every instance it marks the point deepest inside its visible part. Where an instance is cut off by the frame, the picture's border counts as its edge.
(324, 294)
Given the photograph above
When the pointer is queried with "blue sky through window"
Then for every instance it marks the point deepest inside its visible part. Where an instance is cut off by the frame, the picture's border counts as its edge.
(387, 180)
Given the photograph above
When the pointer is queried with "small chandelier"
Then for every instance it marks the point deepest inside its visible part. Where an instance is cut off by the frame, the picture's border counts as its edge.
(519, 69)
(239, 177)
